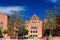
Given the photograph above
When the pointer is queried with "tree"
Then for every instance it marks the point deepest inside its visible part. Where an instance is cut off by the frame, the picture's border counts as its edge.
(5, 32)
(50, 16)
(18, 23)
(22, 31)
(14, 21)
(10, 27)
(1, 33)
(47, 32)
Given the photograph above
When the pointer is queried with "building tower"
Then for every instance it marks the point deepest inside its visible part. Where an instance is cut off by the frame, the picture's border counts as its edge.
(34, 26)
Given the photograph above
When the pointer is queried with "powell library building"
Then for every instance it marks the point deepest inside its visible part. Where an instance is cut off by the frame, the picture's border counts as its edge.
(34, 27)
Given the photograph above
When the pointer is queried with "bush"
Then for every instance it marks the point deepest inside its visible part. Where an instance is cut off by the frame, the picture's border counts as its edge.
(47, 32)
(5, 31)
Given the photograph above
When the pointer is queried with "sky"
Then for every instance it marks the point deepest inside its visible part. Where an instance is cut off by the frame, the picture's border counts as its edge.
(28, 7)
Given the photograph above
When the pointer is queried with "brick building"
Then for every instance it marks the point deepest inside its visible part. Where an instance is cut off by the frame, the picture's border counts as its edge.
(57, 29)
(4, 23)
(34, 27)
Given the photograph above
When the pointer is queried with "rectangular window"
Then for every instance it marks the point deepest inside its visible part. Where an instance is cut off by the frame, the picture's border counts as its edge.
(34, 22)
(33, 27)
(1, 22)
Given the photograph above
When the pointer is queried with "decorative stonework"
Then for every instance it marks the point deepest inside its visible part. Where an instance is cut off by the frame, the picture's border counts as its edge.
(34, 27)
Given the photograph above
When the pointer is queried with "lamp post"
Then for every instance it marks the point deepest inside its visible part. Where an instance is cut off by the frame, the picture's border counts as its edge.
(50, 35)
(17, 35)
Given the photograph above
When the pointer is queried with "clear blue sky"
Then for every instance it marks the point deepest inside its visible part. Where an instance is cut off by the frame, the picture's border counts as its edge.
(29, 7)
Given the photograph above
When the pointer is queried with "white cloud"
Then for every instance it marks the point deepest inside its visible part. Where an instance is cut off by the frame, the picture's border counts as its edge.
(9, 8)
(52, 1)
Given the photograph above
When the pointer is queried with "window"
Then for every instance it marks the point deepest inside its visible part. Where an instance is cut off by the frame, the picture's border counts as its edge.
(39, 22)
(1, 22)
(34, 17)
(36, 31)
(31, 31)
(33, 27)
(31, 35)
(34, 35)
(34, 22)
